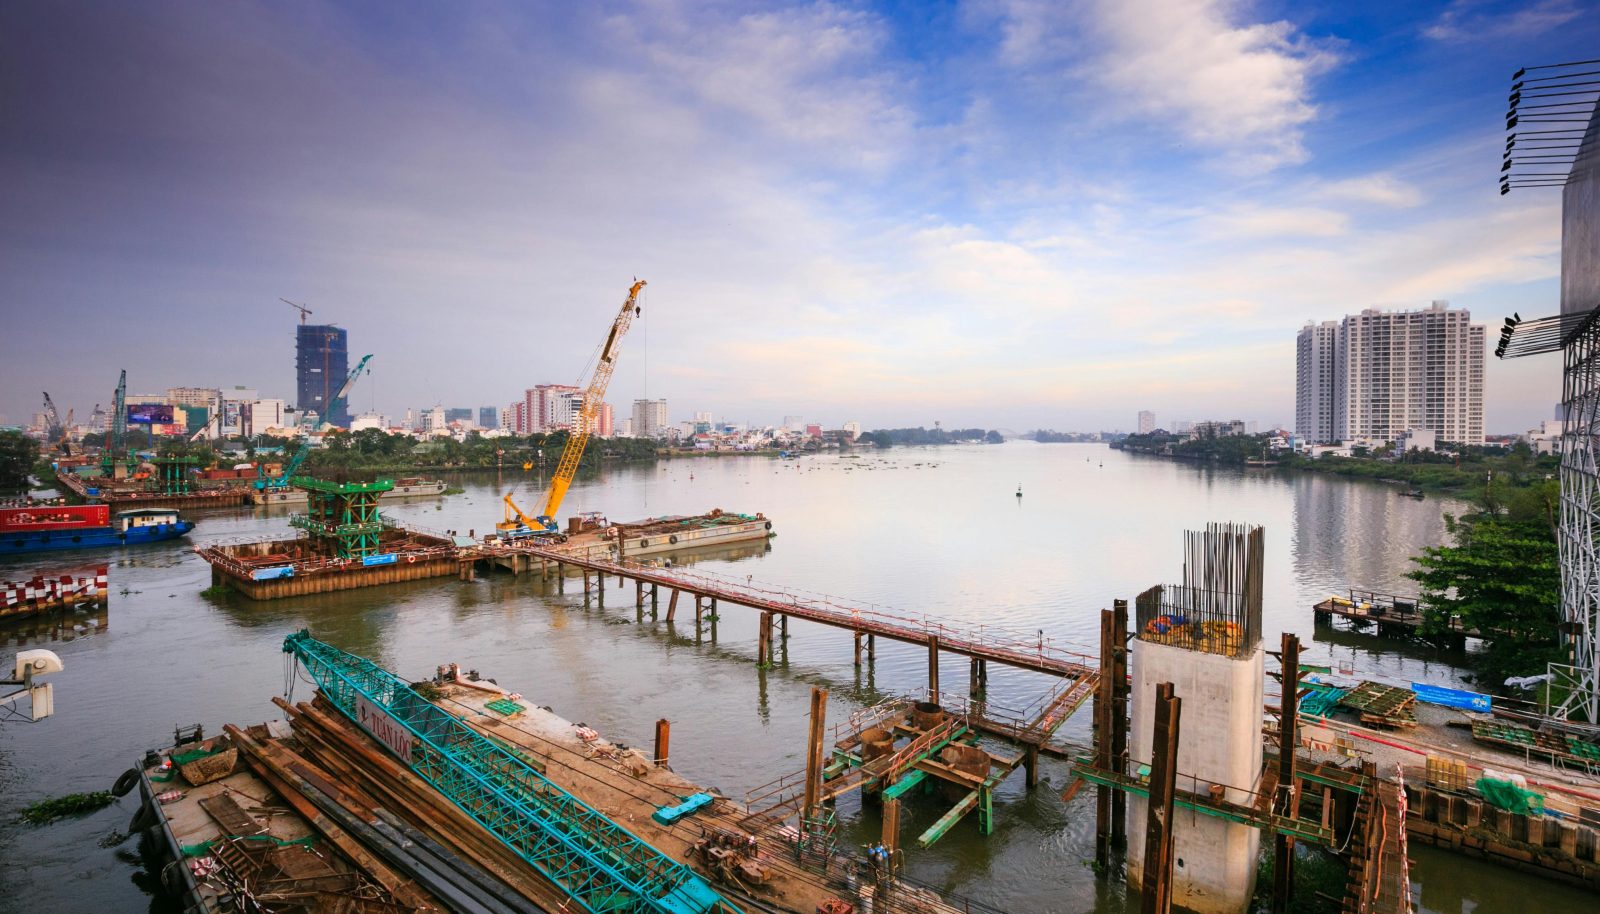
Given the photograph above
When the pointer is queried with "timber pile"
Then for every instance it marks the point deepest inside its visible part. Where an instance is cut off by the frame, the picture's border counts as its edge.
(374, 780)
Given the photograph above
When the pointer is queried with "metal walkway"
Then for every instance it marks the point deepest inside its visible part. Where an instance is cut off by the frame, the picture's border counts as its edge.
(601, 866)
(987, 643)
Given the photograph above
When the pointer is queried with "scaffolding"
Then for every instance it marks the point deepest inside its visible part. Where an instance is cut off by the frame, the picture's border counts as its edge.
(172, 474)
(343, 515)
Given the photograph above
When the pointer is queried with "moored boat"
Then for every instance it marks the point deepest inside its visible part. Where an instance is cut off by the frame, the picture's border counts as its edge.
(40, 528)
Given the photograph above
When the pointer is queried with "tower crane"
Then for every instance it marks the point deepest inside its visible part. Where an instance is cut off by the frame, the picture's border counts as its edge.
(56, 431)
(304, 311)
(281, 481)
(593, 397)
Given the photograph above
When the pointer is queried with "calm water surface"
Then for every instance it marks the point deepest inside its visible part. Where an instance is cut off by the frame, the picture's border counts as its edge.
(930, 530)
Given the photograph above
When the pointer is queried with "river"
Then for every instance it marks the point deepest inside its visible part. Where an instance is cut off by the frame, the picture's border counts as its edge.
(935, 530)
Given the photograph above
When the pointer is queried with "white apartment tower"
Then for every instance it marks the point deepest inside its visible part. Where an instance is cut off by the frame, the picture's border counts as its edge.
(649, 418)
(1391, 372)
(1147, 421)
(1314, 374)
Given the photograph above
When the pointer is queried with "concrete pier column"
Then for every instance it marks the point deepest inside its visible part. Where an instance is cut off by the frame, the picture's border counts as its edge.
(561, 578)
(586, 587)
(764, 640)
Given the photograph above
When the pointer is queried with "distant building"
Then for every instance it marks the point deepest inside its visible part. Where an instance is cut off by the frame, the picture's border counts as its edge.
(260, 416)
(1415, 439)
(813, 431)
(1546, 438)
(458, 414)
(434, 421)
(1147, 422)
(1314, 382)
(649, 418)
(488, 417)
(854, 428)
(625, 428)
(1213, 429)
(1182, 426)
(369, 420)
(604, 422)
(322, 361)
(547, 408)
(794, 423)
(1392, 372)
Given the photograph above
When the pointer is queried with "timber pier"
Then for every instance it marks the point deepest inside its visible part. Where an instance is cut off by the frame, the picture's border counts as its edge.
(1393, 617)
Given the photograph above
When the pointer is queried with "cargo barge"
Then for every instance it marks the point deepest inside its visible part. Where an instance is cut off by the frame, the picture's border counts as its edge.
(593, 537)
(121, 495)
(44, 528)
(403, 488)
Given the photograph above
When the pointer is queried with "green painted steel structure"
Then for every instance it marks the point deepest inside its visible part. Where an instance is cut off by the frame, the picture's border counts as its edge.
(600, 865)
(344, 512)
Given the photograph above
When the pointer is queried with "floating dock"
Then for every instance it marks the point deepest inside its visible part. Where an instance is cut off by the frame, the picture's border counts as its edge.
(1393, 616)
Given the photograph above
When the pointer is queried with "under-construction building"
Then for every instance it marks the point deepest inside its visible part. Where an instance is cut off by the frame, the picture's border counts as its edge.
(321, 362)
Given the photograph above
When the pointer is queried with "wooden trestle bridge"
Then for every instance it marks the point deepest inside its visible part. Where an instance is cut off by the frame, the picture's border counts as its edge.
(1356, 797)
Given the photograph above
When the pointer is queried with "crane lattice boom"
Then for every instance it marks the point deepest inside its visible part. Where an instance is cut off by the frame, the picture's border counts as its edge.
(599, 864)
(593, 398)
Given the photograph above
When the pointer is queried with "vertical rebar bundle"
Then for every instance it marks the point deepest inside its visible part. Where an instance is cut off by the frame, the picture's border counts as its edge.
(1217, 608)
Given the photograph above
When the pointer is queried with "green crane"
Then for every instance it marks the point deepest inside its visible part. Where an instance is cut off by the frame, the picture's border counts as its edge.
(267, 483)
(603, 868)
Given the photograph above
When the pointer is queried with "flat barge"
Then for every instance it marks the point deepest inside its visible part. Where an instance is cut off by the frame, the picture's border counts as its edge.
(654, 539)
(122, 496)
(403, 488)
(296, 566)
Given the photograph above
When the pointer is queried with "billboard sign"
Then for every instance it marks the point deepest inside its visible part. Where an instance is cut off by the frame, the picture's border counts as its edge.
(149, 414)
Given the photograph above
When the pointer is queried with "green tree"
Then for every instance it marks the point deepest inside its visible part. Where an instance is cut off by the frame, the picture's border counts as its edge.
(18, 453)
(1500, 575)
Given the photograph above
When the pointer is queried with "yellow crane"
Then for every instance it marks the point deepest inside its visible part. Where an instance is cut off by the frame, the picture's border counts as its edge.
(582, 426)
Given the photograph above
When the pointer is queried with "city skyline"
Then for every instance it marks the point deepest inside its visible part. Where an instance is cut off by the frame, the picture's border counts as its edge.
(990, 214)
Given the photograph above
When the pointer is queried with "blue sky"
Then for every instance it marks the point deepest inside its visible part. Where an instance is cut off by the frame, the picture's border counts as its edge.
(1014, 214)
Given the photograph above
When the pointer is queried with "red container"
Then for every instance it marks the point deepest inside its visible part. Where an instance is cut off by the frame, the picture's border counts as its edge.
(54, 517)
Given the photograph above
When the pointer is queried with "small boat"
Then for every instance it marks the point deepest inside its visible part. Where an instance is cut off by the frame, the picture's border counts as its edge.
(1414, 493)
(1019, 491)
(42, 528)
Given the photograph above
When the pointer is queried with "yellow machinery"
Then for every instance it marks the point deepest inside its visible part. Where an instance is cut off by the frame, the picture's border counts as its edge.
(582, 426)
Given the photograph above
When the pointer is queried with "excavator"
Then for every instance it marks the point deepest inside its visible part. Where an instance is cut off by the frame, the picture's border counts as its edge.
(517, 523)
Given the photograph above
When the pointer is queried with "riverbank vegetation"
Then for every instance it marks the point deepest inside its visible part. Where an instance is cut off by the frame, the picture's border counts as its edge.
(1470, 468)
(18, 455)
(888, 437)
(1500, 574)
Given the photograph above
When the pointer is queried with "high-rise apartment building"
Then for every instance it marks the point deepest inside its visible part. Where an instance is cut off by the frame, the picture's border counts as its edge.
(322, 360)
(487, 418)
(1314, 376)
(1147, 421)
(649, 418)
(548, 407)
(1379, 374)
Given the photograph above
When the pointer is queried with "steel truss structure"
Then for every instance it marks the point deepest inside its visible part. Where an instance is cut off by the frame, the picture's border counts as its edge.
(1579, 534)
(602, 867)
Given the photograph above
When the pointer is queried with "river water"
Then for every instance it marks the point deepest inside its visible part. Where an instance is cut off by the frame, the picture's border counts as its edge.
(938, 531)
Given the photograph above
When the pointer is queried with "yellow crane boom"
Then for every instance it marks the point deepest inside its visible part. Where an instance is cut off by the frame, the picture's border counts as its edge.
(593, 396)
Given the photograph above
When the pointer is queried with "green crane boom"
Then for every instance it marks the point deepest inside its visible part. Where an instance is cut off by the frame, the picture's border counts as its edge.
(603, 868)
(281, 481)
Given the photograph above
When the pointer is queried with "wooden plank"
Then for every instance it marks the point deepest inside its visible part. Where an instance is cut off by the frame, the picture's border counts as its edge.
(947, 821)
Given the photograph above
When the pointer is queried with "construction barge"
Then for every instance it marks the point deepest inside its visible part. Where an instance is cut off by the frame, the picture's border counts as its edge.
(347, 543)
(410, 487)
(177, 492)
(456, 794)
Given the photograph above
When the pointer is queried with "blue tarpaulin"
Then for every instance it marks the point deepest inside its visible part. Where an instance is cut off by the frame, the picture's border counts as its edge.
(1452, 698)
(268, 574)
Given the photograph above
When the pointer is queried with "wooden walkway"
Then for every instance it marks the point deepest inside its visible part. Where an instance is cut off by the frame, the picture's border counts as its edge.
(1393, 615)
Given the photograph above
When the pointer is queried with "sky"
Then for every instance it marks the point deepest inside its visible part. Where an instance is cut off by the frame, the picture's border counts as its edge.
(1003, 213)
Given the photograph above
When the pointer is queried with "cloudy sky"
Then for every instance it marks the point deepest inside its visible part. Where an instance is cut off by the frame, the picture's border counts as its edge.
(1012, 213)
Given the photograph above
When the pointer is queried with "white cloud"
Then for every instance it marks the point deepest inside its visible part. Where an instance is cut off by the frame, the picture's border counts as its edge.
(1381, 189)
(1231, 85)
(1467, 21)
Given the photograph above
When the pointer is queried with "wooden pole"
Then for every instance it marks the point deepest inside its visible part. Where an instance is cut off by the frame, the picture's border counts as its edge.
(1155, 895)
(872, 648)
(764, 639)
(1103, 701)
(858, 648)
(672, 606)
(1119, 717)
(1287, 800)
(814, 740)
(933, 668)
(891, 825)
(663, 737)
